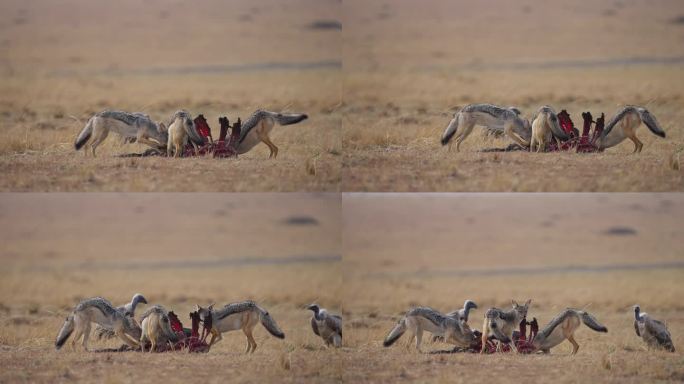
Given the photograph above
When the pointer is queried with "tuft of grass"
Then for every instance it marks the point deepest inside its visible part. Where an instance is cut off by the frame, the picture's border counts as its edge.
(606, 362)
(311, 165)
(674, 159)
(285, 361)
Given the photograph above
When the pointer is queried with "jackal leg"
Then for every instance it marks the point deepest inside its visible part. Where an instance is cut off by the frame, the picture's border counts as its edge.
(215, 337)
(575, 346)
(153, 345)
(637, 143)
(78, 333)
(86, 335)
(131, 342)
(151, 143)
(508, 130)
(419, 338)
(410, 341)
(485, 336)
(267, 140)
(558, 142)
(251, 343)
(541, 146)
(142, 139)
(169, 148)
(467, 129)
(514, 347)
(97, 140)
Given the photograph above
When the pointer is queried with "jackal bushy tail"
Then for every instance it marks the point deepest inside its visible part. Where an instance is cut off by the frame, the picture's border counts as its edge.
(650, 121)
(591, 322)
(166, 328)
(395, 333)
(65, 332)
(554, 125)
(270, 324)
(85, 134)
(451, 130)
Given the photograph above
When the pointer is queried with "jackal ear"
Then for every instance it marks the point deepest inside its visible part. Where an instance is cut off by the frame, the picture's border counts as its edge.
(514, 304)
(527, 303)
(197, 308)
(210, 307)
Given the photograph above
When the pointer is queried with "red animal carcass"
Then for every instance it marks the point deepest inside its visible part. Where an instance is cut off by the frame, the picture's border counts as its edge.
(189, 340)
(585, 143)
(522, 340)
(222, 147)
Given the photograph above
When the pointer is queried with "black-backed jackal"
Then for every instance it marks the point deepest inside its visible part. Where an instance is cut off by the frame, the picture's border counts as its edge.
(545, 126)
(501, 324)
(563, 327)
(244, 315)
(495, 118)
(156, 328)
(624, 124)
(99, 311)
(256, 129)
(461, 314)
(135, 125)
(127, 309)
(420, 319)
(181, 129)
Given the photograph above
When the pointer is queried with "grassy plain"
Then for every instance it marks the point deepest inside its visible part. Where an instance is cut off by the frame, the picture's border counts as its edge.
(62, 62)
(408, 66)
(602, 252)
(281, 251)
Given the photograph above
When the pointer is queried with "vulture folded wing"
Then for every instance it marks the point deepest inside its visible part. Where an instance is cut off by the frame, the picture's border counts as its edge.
(455, 313)
(334, 323)
(659, 331)
(314, 326)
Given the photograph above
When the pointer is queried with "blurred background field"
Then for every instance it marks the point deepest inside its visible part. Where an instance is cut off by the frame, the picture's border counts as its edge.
(408, 66)
(62, 62)
(602, 252)
(282, 251)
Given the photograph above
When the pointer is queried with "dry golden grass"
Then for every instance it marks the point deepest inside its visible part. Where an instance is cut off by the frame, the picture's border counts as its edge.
(409, 66)
(115, 248)
(32, 315)
(439, 250)
(211, 58)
